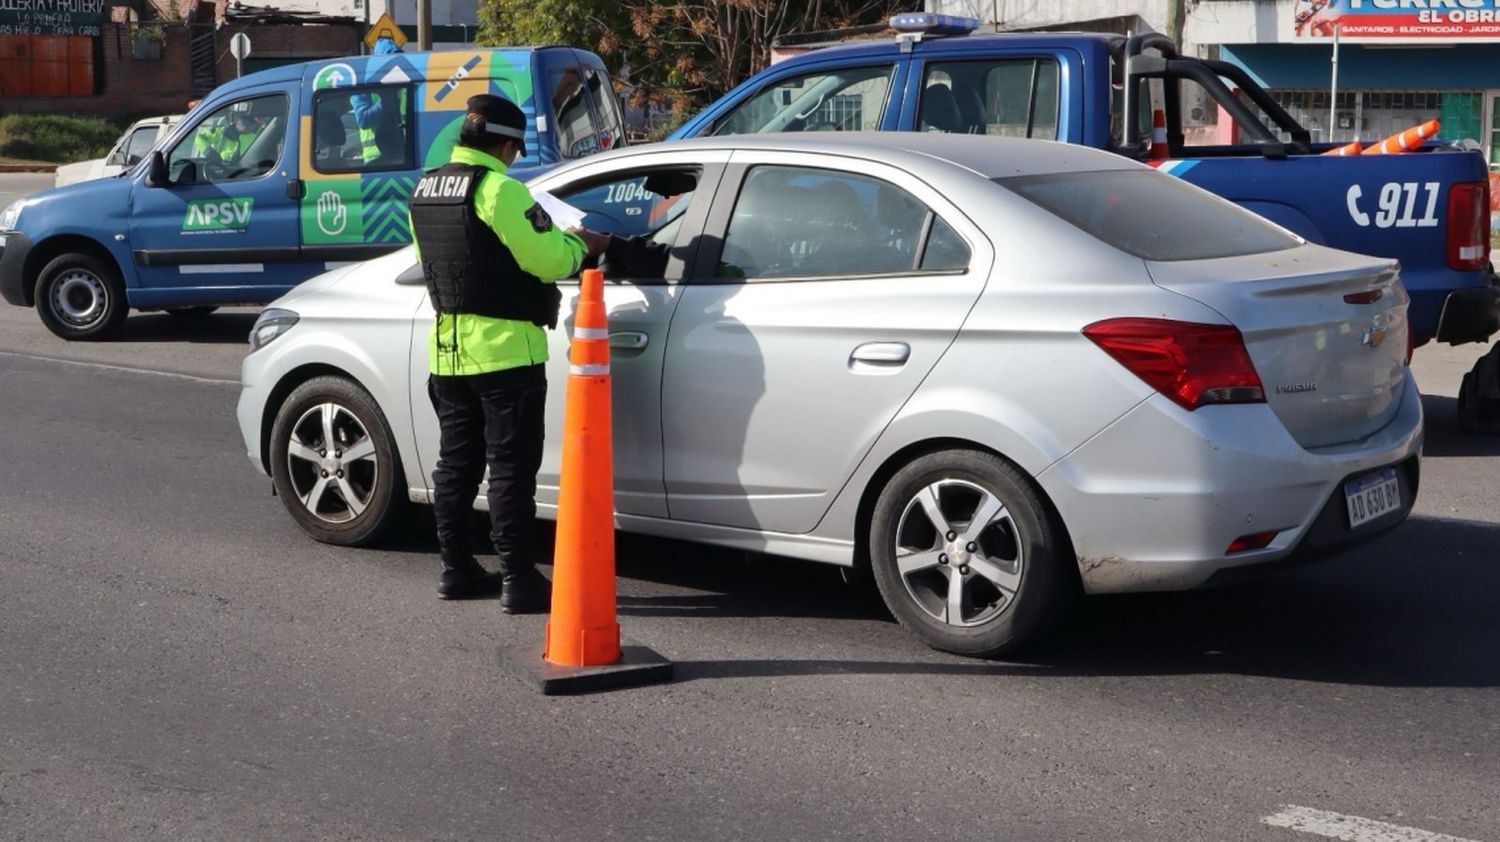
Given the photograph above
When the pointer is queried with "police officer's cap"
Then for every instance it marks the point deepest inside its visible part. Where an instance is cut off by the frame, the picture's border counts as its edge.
(497, 117)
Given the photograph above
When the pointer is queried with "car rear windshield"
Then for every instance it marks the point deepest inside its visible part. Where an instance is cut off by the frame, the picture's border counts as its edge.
(1151, 215)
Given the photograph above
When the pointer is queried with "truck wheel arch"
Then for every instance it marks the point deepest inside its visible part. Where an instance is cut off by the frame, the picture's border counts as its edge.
(55, 246)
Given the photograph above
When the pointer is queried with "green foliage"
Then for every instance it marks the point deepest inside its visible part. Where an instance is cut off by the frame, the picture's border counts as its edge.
(535, 23)
(57, 138)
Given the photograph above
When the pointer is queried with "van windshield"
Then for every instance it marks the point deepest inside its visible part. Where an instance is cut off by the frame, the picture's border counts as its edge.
(1151, 215)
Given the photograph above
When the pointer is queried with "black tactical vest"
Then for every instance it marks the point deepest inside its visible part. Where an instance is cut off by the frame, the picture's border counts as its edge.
(468, 269)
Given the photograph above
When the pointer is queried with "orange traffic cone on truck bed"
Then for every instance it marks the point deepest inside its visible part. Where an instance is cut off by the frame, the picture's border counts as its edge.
(583, 650)
(1347, 149)
(1158, 135)
(1405, 141)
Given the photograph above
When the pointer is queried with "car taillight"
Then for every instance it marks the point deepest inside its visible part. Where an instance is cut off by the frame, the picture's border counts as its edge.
(1193, 364)
(1469, 225)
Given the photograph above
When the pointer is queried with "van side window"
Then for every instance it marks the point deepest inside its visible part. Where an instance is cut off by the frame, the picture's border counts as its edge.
(611, 124)
(794, 222)
(138, 146)
(575, 126)
(847, 100)
(1007, 97)
(362, 130)
(236, 142)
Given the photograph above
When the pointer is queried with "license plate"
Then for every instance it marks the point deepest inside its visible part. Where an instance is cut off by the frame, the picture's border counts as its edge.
(1372, 495)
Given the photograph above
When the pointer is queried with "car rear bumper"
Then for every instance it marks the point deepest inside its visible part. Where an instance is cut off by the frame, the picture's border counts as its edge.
(1154, 501)
(14, 249)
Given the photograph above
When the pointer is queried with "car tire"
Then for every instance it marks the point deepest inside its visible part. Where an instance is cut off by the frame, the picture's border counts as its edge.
(81, 297)
(1014, 583)
(318, 493)
(192, 312)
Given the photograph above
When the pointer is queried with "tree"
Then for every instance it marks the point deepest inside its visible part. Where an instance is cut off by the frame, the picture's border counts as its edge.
(680, 52)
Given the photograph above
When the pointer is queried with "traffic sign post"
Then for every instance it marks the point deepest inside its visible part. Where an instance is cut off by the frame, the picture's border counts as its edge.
(384, 27)
(239, 47)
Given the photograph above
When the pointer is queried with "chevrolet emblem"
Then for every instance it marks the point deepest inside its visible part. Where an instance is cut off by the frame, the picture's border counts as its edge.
(1374, 336)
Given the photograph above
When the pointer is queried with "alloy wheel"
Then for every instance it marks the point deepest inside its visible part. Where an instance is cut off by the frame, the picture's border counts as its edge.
(332, 463)
(958, 553)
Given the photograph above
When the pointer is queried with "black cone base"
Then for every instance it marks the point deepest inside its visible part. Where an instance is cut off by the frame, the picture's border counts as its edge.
(638, 665)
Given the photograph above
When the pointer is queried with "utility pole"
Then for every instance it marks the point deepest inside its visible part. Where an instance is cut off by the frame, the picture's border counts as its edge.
(1174, 21)
(424, 24)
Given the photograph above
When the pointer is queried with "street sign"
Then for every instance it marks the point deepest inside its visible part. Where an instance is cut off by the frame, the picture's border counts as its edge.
(239, 47)
(384, 27)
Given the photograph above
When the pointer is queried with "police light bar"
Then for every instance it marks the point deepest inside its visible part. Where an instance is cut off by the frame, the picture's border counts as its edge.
(931, 24)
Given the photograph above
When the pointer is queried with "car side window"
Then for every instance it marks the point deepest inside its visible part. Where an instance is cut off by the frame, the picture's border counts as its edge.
(575, 126)
(1006, 97)
(366, 130)
(641, 203)
(236, 142)
(846, 100)
(793, 222)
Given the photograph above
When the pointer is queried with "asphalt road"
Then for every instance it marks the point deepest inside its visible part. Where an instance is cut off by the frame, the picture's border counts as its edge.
(181, 663)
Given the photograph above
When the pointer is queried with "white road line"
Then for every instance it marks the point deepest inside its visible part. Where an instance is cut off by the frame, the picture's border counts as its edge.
(1351, 828)
(107, 367)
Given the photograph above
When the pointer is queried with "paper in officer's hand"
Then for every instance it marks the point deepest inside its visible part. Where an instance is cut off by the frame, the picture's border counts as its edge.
(564, 215)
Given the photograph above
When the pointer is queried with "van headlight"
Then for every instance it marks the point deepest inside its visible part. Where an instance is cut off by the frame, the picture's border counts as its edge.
(270, 324)
(10, 216)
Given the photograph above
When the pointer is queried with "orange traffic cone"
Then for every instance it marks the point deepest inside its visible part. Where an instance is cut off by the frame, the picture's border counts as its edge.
(1158, 134)
(1347, 149)
(583, 649)
(1406, 141)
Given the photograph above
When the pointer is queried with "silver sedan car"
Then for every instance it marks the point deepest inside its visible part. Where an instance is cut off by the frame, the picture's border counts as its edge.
(996, 373)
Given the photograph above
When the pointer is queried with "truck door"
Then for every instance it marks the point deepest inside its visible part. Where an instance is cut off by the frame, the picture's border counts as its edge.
(1009, 95)
(223, 222)
(362, 168)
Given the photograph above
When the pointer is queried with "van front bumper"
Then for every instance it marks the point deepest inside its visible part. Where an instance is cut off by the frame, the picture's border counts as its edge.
(14, 248)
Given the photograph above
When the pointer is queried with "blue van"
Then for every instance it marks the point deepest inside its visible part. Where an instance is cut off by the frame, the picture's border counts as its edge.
(281, 175)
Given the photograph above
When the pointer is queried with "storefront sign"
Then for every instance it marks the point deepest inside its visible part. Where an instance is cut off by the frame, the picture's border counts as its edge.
(51, 17)
(1404, 20)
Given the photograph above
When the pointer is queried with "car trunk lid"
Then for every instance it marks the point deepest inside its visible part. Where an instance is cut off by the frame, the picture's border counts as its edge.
(1326, 330)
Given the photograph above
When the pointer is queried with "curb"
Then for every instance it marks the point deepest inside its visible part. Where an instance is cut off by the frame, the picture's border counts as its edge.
(9, 168)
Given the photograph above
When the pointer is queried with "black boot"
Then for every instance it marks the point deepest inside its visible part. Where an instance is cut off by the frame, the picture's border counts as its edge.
(525, 591)
(467, 581)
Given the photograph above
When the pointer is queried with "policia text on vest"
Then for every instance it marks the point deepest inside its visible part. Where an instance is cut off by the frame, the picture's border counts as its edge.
(490, 256)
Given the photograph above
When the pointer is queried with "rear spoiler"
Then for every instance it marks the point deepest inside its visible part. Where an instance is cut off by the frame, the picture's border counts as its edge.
(1136, 67)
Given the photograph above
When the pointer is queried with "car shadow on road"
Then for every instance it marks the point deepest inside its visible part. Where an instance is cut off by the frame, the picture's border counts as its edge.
(1416, 610)
(215, 328)
(1446, 438)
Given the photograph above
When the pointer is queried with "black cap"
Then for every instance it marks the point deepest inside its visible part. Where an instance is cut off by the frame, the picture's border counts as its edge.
(500, 118)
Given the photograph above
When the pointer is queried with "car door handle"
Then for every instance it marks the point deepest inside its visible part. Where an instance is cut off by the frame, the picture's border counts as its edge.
(628, 340)
(888, 354)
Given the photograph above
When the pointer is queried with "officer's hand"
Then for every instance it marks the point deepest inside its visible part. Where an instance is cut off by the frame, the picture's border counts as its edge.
(594, 241)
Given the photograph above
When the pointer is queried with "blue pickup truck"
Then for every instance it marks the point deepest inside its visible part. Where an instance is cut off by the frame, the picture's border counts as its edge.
(280, 175)
(1430, 210)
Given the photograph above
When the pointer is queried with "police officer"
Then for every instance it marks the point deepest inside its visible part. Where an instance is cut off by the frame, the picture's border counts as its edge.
(379, 116)
(490, 255)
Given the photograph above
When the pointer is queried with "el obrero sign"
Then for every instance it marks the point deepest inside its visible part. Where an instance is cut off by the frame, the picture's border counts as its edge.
(1397, 19)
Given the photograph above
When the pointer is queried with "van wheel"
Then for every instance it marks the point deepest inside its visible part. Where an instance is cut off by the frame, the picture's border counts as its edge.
(334, 463)
(191, 312)
(80, 296)
(967, 554)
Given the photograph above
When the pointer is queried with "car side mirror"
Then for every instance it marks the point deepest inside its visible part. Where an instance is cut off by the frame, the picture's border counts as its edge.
(132, 160)
(158, 176)
(115, 158)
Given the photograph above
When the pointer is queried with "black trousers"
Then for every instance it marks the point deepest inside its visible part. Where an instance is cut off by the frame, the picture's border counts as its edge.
(496, 419)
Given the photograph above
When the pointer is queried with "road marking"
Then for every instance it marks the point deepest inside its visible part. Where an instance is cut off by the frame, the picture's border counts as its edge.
(125, 368)
(1351, 828)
